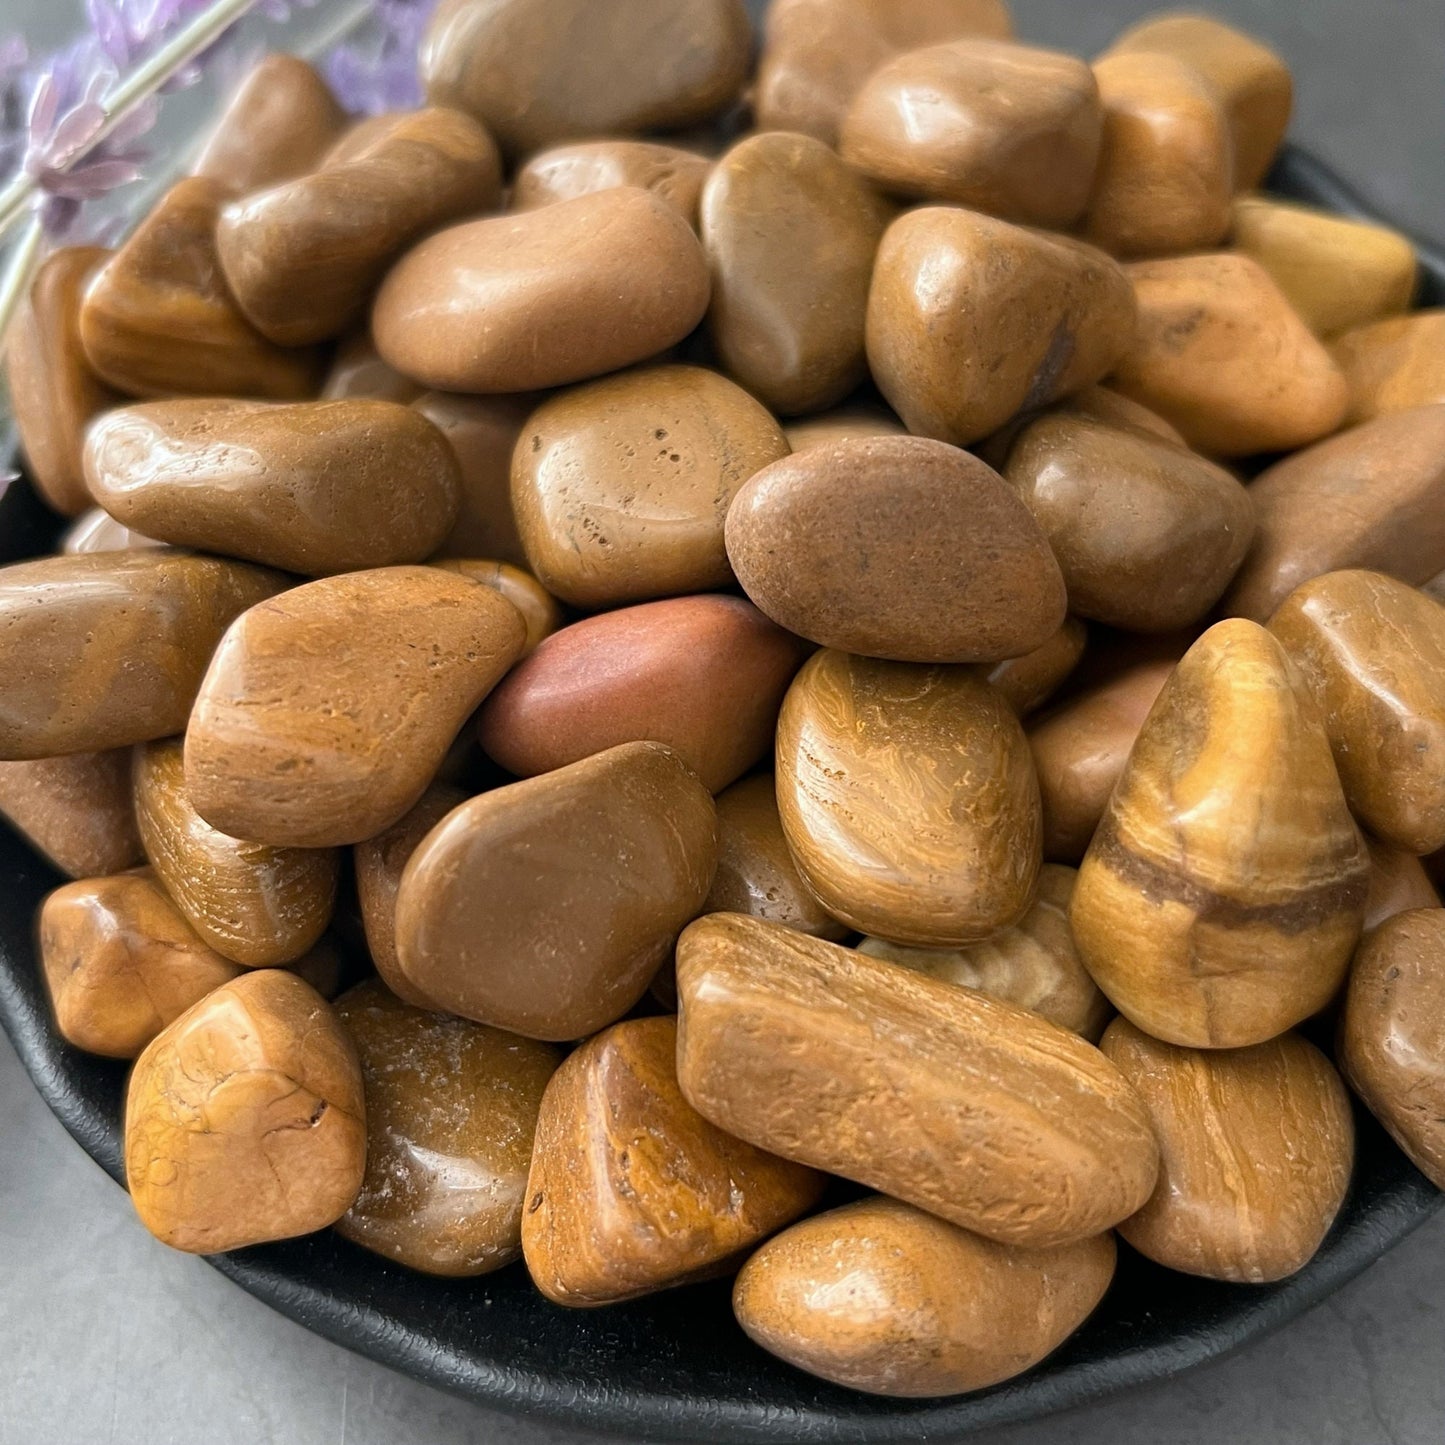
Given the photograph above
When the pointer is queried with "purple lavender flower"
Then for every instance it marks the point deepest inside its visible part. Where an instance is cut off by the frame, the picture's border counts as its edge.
(378, 75)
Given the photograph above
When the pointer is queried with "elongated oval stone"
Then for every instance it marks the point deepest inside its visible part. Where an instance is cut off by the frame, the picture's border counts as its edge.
(1395, 364)
(631, 1190)
(541, 613)
(790, 234)
(245, 1120)
(1398, 883)
(1224, 891)
(565, 172)
(298, 755)
(314, 487)
(256, 905)
(956, 353)
(972, 1109)
(451, 1109)
(620, 487)
(74, 809)
(1255, 1145)
(908, 799)
(1372, 651)
(546, 906)
(946, 1311)
(705, 675)
(896, 547)
(545, 297)
(106, 649)
(1033, 964)
(1028, 681)
(358, 373)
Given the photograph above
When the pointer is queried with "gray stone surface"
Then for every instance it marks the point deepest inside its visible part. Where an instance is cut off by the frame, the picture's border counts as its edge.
(107, 1338)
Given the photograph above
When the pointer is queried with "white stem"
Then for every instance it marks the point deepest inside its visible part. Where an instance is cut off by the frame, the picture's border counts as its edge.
(19, 269)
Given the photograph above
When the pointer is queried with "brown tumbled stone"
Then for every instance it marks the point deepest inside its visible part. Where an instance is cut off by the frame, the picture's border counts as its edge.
(544, 297)
(847, 423)
(705, 675)
(1373, 496)
(254, 904)
(541, 614)
(546, 906)
(157, 319)
(979, 1112)
(880, 1297)
(908, 798)
(896, 547)
(1030, 680)
(1253, 83)
(53, 391)
(313, 487)
(817, 53)
(1338, 272)
(580, 169)
(1221, 354)
(631, 1189)
(75, 809)
(620, 487)
(1398, 883)
(303, 258)
(1146, 533)
(1080, 750)
(1224, 891)
(1033, 964)
(790, 234)
(98, 531)
(1372, 652)
(1392, 1042)
(104, 649)
(322, 719)
(956, 354)
(1166, 166)
(245, 1119)
(1007, 129)
(1255, 1146)
(358, 373)
(590, 69)
(280, 122)
(451, 1107)
(756, 874)
(1394, 365)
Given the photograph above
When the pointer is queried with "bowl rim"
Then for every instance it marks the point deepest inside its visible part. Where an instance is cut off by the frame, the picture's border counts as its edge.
(313, 1281)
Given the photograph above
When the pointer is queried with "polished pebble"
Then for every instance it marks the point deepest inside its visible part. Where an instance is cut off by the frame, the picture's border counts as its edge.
(1394, 365)
(844, 423)
(359, 374)
(1398, 883)
(583, 167)
(1030, 680)
(76, 810)
(541, 612)
(98, 531)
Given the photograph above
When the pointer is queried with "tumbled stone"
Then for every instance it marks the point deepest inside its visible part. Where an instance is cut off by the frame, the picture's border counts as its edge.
(978, 1111)
(98, 531)
(1030, 680)
(1398, 883)
(1224, 891)
(1394, 365)
(75, 809)
(358, 373)
(541, 614)
(580, 169)
(845, 423)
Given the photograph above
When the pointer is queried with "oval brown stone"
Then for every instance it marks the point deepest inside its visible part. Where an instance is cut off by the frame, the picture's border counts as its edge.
(546, 906)
(584, 167)
(1222, 355)
(1373, 496)
(590, 69)
(303, 257)
(539, 299)
(279, 123)
(541, 614)
(75, 809)
(957, 354)
(947, 1311)
(908, 799)
(53, 391)
(289, 752)
(106, 649)
(846, 423)
(1146, 533)
(1391, 1036)
(255, 905)
(315, 487)
(790, 234)
(1372, 651)
(157, 319)
(982, 1113)
(1394, 365)
(358, 373)
(1255, 1146)
(1030, 680)
(1398, 883)
(756, 874)
(631, 1189)
(1002, 128)
(1224, 891)
(451, 1107)
(1033, 964)
(620, 487)
(705, 675)
(245, 1118)
(98, 531)
(896, 547)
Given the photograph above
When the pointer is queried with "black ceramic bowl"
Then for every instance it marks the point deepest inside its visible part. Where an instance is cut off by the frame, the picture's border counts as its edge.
(676, 1366)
